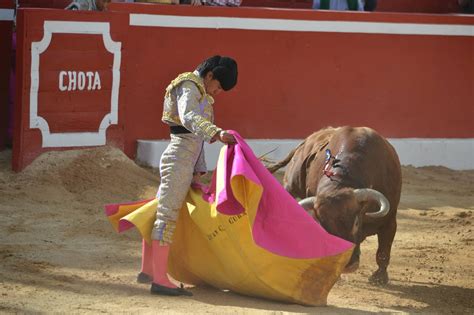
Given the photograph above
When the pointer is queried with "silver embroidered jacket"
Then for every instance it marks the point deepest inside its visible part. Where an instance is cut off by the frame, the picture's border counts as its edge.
(187, 104)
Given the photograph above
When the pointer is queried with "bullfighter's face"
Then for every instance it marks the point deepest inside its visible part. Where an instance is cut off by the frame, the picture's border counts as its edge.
(213, 86)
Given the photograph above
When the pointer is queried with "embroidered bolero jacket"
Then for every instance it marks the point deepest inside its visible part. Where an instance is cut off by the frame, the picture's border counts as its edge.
(187, 104)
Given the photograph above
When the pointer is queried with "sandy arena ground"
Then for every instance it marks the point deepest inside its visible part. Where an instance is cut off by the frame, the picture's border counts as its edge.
(59, 253)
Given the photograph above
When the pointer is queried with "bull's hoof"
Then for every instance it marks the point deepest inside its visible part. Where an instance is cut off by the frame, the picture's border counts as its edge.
(352, 267)
(380, 277)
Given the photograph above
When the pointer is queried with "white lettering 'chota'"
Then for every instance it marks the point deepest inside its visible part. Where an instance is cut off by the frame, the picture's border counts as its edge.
(96, 85)
(62, 87)
(79, 81)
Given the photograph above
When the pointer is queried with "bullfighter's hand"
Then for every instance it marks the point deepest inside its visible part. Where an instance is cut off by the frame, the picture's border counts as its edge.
(226, 137)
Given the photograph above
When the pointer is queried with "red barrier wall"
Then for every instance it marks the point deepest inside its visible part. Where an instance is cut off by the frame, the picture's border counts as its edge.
(419, 6)
(58, 4)
(290, 82)
(6, 27)
(76, 111)
(294, 4)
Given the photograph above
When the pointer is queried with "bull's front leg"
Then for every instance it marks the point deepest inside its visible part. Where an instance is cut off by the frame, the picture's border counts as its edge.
(385, 240)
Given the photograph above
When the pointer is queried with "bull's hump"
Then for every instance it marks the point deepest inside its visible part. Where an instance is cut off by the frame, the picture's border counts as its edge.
(360, 131)
(368, 131)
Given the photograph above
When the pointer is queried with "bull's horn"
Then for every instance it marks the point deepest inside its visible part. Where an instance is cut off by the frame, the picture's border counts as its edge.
(367, 193)
(307, 203)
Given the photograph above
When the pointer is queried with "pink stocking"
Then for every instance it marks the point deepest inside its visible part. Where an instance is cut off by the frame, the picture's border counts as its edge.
(160, 264)
(147, 259)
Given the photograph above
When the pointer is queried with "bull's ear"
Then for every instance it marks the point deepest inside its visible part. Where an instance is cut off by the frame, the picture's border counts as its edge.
(363, 204)
(373, 197)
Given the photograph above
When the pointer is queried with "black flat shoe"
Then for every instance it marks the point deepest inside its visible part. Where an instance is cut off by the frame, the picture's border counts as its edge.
(144, 278)
(162, 290)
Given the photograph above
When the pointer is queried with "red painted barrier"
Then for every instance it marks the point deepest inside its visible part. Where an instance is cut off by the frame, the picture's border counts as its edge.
(290, 82)
(7, 4)
(413, 6)
(293, 4)
(57, 4)
(72, 71)
(6, 26)
(419, 6)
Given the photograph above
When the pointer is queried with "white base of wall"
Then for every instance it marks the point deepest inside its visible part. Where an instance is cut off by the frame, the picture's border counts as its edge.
(456, 154)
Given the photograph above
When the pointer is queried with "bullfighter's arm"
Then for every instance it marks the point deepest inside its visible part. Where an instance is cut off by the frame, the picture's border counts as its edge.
(191, 113)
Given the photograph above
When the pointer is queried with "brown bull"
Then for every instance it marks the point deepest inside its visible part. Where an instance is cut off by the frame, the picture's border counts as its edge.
(349, 180)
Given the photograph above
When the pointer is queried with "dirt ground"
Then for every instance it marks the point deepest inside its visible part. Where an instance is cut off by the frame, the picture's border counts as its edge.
(59, 253)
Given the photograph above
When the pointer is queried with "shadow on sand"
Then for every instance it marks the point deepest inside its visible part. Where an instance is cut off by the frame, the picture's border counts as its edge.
(438, 298)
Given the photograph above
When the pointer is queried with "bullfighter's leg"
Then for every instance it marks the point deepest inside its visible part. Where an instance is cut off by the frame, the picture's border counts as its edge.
(385, 240)
(146, 273)
(176, 172)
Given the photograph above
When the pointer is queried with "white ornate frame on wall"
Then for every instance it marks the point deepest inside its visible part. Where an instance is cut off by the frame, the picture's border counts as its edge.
(74, 139)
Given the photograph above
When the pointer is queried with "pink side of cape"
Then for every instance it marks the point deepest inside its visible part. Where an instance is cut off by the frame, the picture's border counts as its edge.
(281, 225)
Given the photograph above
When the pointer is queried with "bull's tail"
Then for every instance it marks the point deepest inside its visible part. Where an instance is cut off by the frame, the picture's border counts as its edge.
(275, 167)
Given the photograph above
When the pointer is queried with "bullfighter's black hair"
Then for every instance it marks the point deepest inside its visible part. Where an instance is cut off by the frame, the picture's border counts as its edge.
(224, 69)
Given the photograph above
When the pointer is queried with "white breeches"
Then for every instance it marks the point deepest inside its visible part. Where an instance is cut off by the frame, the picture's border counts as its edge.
(177, 166)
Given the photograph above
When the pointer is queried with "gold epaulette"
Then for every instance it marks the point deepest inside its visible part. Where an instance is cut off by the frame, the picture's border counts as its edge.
(187, 76)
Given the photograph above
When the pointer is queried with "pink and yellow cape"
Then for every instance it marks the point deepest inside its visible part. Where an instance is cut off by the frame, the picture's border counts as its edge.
(245, 233)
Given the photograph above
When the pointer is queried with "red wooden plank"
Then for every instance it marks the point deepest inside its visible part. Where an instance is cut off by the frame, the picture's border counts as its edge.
(57, 4)
(19, 150)
(5, 65)
(421, 6)
(74, 121)
(53, 102)
(7, 4)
